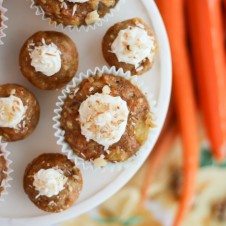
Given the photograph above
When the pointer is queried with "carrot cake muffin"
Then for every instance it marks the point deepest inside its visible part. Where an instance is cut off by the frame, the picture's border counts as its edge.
(130, 45)
(49, 60)
(76, 12)
(105, 118)
(3, 171)
(19, 112)
(52, 182)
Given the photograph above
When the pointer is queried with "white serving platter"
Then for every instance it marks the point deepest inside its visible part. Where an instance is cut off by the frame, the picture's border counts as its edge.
(98, 185)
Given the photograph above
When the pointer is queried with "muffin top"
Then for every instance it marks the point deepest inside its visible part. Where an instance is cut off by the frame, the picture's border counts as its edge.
(3, 170)
(76, 12)
(105, 118)
(131, 45)
(52, 182)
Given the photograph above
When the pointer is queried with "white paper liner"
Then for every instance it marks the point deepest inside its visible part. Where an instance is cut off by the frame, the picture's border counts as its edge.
(40, 12)
(6, 182)
(3, 25)
(59, 134)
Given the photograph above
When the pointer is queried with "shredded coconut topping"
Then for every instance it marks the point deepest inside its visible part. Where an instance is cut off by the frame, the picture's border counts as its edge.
(12, 111)
(49, 182)
(103, 118)
(133, 45)
(46, 58)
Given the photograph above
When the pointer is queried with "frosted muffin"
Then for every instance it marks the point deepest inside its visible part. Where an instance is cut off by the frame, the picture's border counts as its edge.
(19, 112)
(52, 182)
(76, 12)
(130, 45)
(106, 118)
(49, 60)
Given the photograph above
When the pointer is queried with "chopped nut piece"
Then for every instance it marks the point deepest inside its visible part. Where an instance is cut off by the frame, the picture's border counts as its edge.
(106, 90)
(74, 9)
(69, 125)
(100, 162)
(76, 90)
(13, 92)
(91, 89)
(92, 17)
(108, 3)
(140, 68)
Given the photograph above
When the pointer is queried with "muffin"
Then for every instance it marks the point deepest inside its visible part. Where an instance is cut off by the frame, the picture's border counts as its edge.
(49, 60)
(130, 45)
(19, 112)
(76, 12)
(52, 182)
(106, 118)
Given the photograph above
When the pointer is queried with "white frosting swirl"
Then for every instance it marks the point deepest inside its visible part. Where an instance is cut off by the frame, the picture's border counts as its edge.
(133, 45)
(78, 1)
(46, 58)
(103, 118)
(12, 111)
(49, 182)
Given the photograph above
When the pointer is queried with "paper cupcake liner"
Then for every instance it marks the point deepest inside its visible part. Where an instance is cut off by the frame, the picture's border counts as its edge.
(3, 25)
(40, 12)
(59, 134)
(6, 182)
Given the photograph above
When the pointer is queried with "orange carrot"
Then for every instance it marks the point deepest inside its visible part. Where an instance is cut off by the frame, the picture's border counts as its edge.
(173, 15)
(224, 19)
(157, 157)
(207, 40)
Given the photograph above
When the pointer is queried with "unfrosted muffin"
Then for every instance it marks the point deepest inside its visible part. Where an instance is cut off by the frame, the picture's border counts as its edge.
(105, 118)
(76, 12)
(49, 60)
(19, 112)
(130, 45)
(52, 182)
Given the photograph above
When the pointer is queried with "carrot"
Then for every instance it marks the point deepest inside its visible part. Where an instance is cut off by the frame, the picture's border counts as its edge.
(156, 158)
(184, 100)
(207, 40)
(224, 19)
